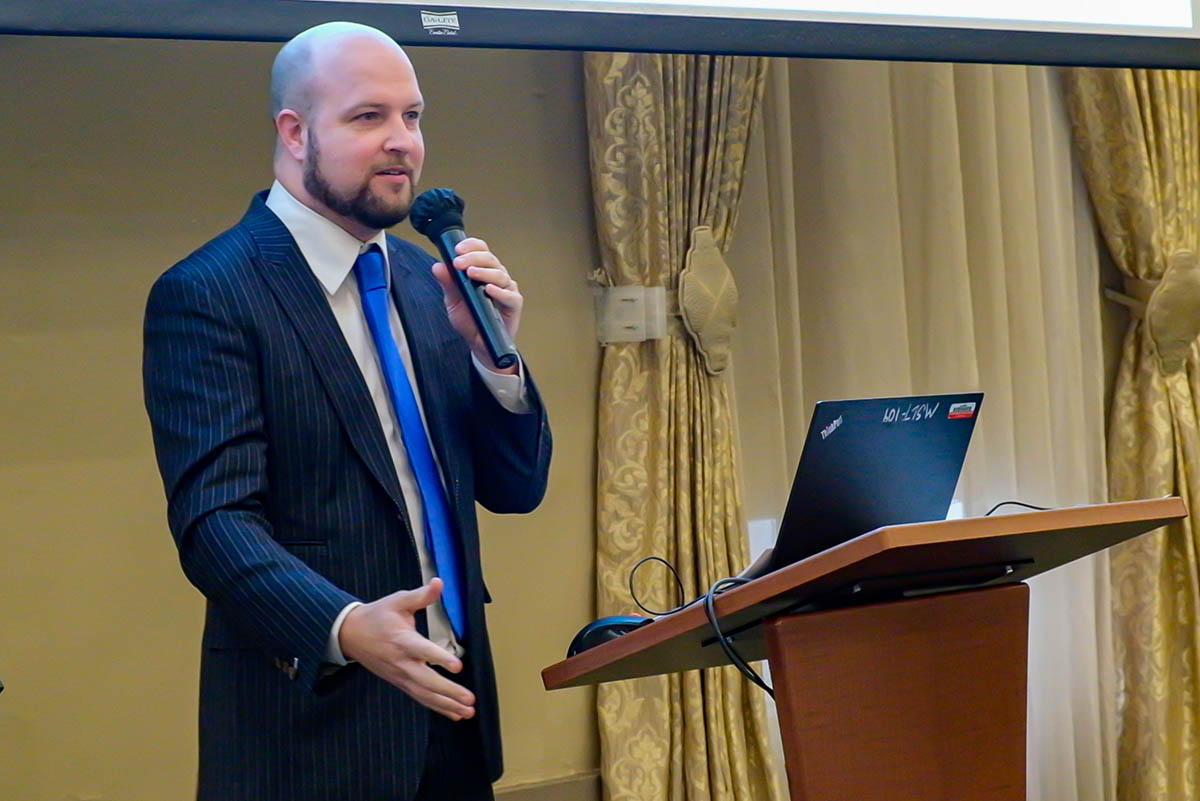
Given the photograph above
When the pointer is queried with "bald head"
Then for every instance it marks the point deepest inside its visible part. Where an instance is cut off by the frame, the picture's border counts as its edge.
(294, 75)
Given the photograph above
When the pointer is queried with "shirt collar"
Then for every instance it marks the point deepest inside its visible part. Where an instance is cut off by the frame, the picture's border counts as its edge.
(328, 248)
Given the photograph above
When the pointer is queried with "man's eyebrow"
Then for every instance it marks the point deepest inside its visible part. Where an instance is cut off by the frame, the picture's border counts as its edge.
(375, 104)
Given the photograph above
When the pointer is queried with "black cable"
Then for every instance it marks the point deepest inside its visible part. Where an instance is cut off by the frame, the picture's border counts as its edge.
(678, 583)
(716, 589)
(1017, 503)
(709, 609)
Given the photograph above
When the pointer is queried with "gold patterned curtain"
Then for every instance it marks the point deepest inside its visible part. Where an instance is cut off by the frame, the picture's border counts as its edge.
(1138, 138)
(668, 137)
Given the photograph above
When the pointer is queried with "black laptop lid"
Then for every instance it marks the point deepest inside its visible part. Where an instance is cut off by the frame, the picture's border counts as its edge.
(872, 463)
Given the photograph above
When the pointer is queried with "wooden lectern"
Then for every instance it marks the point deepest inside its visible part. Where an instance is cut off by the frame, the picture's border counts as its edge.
(898, 658)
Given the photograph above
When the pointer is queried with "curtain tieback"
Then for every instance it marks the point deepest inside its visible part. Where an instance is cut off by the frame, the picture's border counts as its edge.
(1136, 295)
(633, 312)
(1169, 307)
(708, 300)
(704, 306)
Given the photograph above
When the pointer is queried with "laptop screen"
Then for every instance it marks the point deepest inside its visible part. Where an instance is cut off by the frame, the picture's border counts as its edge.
(871, 463)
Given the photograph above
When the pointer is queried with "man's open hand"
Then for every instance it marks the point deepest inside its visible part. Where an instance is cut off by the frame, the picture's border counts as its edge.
(382, 636)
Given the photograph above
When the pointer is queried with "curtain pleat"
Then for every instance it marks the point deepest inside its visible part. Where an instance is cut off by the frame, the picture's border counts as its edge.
(668, 138)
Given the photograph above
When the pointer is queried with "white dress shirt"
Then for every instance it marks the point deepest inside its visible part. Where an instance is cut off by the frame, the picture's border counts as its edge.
(331, 252)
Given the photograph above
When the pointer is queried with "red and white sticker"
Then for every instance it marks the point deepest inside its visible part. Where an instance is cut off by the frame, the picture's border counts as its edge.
(962, 411)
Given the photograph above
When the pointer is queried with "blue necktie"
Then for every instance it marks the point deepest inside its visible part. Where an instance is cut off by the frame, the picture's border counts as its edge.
(440, 538)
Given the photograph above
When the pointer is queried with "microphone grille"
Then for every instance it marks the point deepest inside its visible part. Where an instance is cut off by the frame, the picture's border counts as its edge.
(435, 210)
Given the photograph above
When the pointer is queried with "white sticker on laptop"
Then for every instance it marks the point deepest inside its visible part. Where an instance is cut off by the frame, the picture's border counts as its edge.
(962, 411)
(910, 413)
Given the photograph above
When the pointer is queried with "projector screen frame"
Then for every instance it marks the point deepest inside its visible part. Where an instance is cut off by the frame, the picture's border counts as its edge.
(278, 20)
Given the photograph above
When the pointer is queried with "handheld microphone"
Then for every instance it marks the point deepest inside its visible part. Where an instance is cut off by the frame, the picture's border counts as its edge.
(437, 213)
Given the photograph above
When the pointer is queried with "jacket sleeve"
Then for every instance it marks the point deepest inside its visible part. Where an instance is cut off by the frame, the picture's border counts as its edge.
(201, 379)
(512, 451)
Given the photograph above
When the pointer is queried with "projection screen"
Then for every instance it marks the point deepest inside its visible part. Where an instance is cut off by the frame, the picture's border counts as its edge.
(1103, 32)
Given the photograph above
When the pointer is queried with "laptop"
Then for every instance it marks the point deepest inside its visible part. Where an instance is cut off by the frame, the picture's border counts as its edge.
(871, 463)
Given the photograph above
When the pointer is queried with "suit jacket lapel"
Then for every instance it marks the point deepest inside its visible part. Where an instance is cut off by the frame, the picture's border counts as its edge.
(295, 287)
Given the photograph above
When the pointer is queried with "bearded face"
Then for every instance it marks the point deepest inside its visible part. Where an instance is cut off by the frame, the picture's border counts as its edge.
(378, 198)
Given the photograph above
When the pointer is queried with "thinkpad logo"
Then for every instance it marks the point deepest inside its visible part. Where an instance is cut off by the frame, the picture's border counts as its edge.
(440, 23)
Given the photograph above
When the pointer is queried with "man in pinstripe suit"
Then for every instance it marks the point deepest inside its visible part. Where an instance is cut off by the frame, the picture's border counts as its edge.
(330, 671)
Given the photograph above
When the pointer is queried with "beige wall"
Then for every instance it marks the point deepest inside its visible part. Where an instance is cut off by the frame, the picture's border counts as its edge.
(119, 157)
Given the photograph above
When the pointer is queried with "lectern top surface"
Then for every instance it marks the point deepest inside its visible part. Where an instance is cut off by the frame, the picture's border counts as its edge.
(966, 551)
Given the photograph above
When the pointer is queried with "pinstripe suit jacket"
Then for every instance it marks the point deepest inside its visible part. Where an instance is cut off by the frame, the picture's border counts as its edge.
(285, 506)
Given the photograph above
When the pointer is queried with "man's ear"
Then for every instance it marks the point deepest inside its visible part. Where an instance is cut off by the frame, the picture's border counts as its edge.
(292, 134)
